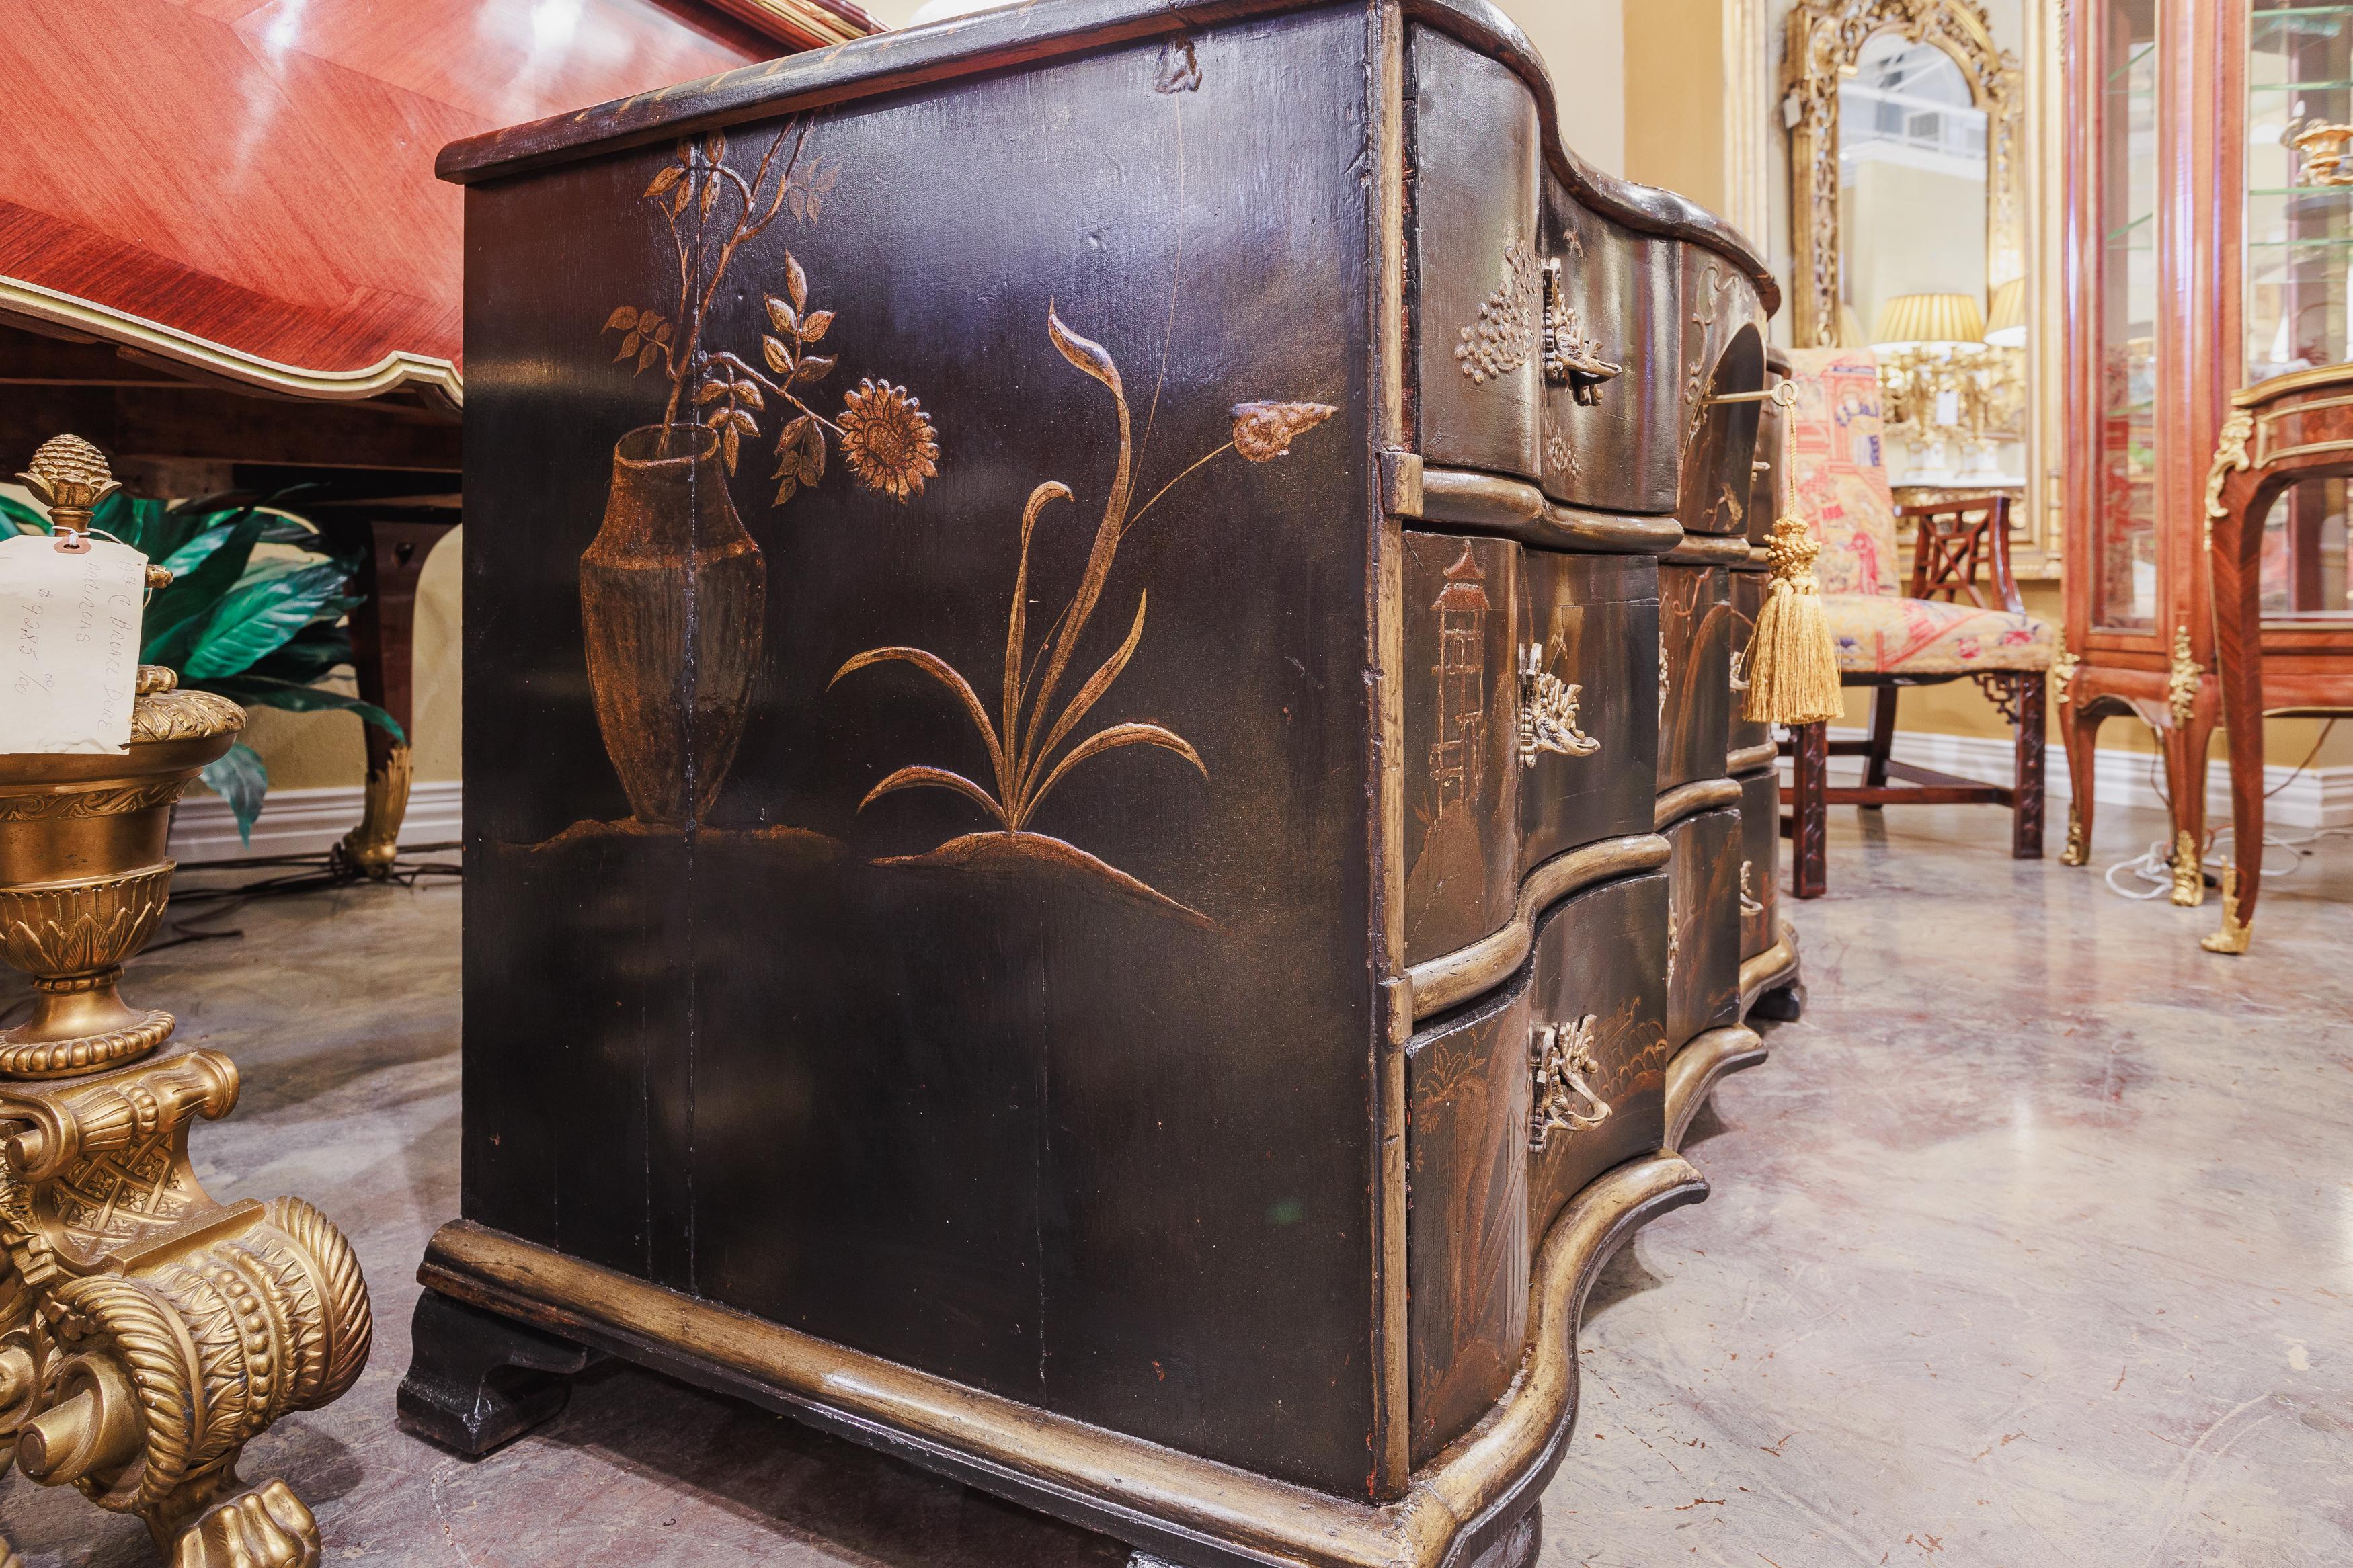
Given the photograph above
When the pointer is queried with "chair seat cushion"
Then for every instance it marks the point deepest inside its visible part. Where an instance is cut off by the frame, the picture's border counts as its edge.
(1881, 636)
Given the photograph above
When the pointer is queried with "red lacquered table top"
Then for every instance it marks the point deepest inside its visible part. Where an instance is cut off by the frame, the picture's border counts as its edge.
(256, 177)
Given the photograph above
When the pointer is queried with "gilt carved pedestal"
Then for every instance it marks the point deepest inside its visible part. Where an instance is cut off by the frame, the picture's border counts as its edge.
(147, 1332)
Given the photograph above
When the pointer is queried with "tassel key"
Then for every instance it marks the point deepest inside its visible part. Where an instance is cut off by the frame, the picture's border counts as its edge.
(1793, 675)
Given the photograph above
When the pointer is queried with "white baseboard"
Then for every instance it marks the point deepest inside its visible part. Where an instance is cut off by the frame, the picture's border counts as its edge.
(305, 821)
(2317, 797)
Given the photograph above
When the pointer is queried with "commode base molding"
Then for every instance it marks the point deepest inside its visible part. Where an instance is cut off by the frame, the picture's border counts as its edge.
(1190, 1510)
(1771, 978)
(1706, 1060)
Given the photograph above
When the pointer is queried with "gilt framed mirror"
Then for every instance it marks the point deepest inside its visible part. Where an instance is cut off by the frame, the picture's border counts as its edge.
(1910, 180)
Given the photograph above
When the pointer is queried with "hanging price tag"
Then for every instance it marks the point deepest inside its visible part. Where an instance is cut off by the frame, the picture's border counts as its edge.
(68, 644)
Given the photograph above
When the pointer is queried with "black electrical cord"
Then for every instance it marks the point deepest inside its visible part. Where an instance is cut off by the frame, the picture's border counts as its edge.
(315, 873)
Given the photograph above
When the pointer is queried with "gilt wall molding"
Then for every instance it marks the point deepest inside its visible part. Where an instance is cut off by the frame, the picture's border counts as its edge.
(1748, 103)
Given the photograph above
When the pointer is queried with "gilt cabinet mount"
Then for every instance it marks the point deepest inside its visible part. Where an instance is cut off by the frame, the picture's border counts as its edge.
(1101, 825)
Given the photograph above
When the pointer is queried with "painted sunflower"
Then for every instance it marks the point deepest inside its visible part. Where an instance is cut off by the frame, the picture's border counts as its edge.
(888, 440)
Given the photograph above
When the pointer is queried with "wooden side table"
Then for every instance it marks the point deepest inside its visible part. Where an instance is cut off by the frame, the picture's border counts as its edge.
(2279, 432)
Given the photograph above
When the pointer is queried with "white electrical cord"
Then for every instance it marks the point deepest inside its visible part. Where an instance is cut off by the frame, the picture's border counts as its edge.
(2153, 868)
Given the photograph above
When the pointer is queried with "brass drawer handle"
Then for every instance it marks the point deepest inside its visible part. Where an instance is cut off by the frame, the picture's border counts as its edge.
(1569, 356)
(1548, 712)
(1561, 1057)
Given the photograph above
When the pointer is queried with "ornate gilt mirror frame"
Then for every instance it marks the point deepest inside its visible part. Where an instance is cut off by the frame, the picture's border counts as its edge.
(1826, 40)
(1825, 44)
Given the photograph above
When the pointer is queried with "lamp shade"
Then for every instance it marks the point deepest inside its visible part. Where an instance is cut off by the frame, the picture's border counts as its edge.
(1930, 319)
(2006, 318)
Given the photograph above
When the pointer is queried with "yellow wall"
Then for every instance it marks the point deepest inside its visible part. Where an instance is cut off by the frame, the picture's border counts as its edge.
(1674, 97)
(310, 750)
(1584, 52)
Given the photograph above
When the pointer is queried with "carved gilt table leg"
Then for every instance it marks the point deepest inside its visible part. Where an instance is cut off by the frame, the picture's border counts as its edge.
(147, 1332)
(2191, 705)
(392, 562)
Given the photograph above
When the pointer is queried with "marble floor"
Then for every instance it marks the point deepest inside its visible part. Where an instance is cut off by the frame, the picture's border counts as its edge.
(2031, 1245)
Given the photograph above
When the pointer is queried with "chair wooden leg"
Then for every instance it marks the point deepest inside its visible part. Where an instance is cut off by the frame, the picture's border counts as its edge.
(1808, 858)
(2026, 784)
(1883, 739)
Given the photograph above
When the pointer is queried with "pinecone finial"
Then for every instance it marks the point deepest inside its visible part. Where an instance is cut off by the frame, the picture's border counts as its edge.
(69, 477)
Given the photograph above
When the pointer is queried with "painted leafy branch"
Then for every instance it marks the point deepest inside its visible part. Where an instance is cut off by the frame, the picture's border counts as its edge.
(891, 447)
(1025, 741)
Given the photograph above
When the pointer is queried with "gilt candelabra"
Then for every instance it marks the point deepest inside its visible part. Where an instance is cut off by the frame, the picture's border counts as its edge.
(1971, 392)
(147, 1332)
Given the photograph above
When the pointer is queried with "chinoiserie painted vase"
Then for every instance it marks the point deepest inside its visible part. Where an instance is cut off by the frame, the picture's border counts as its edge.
(674, 600)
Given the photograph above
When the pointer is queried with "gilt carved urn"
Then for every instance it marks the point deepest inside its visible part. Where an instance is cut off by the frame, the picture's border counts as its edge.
(83, 878)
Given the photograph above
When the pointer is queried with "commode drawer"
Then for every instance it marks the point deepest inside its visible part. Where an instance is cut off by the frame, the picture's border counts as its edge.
(1478, 259)
(1765, 497)
(1760, 849)
(1722, 344)
(1610, 445)
(1513, 1105)
(1597, 1047)
(1463, 606)
(1749, 588)
(1530, 722)
(1703, 959)
(1587, 716)
(1694, 697)
(1467, 1244)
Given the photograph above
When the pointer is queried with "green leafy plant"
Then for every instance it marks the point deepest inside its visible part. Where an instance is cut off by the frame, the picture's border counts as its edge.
(261, 632)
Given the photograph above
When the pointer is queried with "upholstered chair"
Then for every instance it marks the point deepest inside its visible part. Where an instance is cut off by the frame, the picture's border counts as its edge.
(1958, 616)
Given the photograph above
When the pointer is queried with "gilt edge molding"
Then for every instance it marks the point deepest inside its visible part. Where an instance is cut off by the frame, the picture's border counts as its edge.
(1759, 973)
(965, 45)
(1706, 1058)
(1684, 800)
(396, 371)
(1150, 1496)
(1437, 983)
(1490, 503)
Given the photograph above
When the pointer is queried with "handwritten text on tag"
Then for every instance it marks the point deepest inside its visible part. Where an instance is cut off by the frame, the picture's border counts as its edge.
(68, 644)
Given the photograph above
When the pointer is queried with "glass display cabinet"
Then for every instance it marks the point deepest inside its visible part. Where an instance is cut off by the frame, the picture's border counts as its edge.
(2209, 247)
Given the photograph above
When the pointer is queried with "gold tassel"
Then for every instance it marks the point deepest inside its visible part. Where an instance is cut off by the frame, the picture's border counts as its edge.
(1793, 674)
